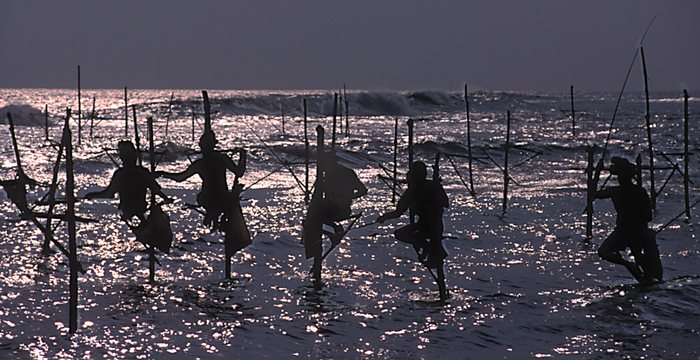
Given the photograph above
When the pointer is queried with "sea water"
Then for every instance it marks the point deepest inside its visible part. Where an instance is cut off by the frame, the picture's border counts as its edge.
(523, 283)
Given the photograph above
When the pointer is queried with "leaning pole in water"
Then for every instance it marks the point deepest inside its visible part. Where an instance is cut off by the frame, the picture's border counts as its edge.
(647, 118)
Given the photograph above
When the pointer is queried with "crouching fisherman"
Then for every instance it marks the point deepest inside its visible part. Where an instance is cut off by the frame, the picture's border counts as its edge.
(335, 188)
(221, 207)
(426, 199)
(631, 229)
(131, 181)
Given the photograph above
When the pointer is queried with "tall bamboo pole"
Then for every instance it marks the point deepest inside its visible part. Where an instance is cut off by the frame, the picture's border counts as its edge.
(335, 115)
(152, 161)
(307, 155)
(126, 113)
(347, 111)
(80, 111)
(137, 138)
(282, 110)
(469, 141)
(92, 116)
(193, 121)
(46, 122)
(207, 111)
(647, 117)
(573, 113)
(396, 156)
(686, 154)
(591, 188)
(167, 118)
(72, 232)
(506, 177)
(412, 216)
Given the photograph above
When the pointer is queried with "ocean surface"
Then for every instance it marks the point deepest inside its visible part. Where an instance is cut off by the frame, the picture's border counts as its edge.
(523, 282)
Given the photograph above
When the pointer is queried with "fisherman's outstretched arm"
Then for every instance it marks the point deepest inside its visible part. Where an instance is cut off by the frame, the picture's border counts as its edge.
(401, 208)
(181, 176)
(108, 192)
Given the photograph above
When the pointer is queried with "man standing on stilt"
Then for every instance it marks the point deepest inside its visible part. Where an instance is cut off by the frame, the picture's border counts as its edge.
(426, 199)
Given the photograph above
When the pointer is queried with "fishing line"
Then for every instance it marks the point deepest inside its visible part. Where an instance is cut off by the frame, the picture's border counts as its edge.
(299, 182)
(624, 84)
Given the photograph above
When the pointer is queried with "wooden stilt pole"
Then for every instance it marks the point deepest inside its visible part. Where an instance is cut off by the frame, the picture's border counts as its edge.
(320, 188)
(411, 215)
(686, 157)
(647, 117)
(282, 110)
(46, 122)
(307, 155)
(591, 188)
(506, 177)
(440, 276)
(469, 141)
(207, 111)
(167, 118)
(80, 111)
(126, 113)
(335, 115)
(152, 161)
(396, 155)
(92, 117)
(638, 169)
(137, 138)
(72, 233)
(347, 111)
(193, 121)
(573, 113)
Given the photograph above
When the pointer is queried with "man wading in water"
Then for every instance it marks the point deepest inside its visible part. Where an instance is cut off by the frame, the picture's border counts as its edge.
(633, 214)
(426, 199)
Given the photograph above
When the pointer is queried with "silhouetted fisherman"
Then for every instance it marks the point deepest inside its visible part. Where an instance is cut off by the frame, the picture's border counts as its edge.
(330, 204)
(426, 199)
(222, 209)
(131, 182)
(631, 230)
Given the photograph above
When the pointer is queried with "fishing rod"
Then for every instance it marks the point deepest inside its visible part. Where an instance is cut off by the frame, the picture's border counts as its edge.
(619, 98)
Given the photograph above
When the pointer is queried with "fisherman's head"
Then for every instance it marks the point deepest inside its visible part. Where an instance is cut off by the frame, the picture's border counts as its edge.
(622, 168)
(127, 152)
(207, 141)
(417, 172)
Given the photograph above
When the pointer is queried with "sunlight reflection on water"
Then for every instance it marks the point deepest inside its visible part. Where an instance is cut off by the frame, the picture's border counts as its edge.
(521, 283)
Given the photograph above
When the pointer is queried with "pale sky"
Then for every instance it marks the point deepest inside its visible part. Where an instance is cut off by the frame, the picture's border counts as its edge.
(541, 45)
